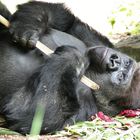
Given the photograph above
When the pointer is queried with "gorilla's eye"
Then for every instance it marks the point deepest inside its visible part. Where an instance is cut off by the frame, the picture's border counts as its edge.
(115, 59)
(120, 76)
(127, 63)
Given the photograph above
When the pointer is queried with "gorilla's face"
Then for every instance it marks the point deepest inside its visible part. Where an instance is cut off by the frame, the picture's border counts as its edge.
(113, 71)
(120, 66)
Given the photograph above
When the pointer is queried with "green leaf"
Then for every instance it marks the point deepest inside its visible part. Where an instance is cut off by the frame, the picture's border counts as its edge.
(4, 131)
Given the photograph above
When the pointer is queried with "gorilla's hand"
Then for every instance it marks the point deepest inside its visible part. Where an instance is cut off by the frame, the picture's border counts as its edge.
(32, 20)
(26, 35)
(26, 29)
(28, 23)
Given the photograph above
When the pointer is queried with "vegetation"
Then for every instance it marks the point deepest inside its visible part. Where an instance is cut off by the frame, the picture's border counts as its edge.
(117, 128)
(125, 18)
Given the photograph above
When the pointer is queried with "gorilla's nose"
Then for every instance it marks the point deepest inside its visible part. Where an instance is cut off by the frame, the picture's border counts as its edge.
(97, 54)
(104, 58)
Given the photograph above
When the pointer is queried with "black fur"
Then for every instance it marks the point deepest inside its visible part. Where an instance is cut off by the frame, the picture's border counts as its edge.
(41, 15)
(29, 78)
(53, 85)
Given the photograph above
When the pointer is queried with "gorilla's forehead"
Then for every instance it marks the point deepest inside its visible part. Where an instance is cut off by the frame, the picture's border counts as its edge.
(117, 52)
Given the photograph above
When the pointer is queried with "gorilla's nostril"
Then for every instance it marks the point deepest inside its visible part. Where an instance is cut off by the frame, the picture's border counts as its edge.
(114, 56)
(114, 62)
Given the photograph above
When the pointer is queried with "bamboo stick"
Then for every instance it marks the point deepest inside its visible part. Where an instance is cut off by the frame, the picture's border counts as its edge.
(48, 51)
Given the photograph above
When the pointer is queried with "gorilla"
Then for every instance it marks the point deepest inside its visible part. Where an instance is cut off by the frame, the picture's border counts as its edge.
(30, 78)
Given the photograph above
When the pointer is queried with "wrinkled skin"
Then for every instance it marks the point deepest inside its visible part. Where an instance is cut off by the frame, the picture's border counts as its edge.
(23, 70)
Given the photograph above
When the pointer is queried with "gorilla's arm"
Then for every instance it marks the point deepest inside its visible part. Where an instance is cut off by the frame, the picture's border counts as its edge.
(34, 18)
(53, 86)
